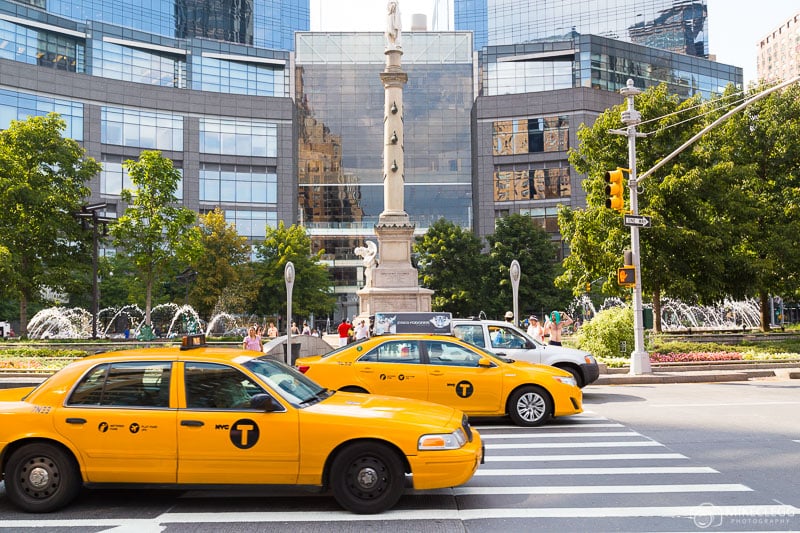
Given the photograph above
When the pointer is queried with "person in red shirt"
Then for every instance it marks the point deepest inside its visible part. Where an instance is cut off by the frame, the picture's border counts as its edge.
(343, 329)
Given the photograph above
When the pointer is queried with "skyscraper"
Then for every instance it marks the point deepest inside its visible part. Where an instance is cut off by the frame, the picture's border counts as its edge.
(779, 52)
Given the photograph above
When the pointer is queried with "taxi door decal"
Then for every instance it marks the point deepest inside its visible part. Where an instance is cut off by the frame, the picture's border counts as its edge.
(464, 389)
(244, 433)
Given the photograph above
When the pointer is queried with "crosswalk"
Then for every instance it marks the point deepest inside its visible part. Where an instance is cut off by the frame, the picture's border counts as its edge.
(580, 473)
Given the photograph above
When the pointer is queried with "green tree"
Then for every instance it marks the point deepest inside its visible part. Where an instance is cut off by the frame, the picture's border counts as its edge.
(451, 263)
(222, 268)
(517, 237)
(684, 203)
(42, 185)
(757, 153)
(311, 293)
(154, 230)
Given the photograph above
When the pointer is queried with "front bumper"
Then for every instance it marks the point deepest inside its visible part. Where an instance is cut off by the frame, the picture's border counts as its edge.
(447, 468)
(590, 372)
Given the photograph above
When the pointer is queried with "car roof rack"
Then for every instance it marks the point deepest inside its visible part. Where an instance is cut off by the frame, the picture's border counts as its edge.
(190, 342)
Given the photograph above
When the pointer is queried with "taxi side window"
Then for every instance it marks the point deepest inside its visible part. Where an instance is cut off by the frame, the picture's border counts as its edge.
(450, 354)
(140, 384)
(393, 352)
(472, 334)
(214, 386)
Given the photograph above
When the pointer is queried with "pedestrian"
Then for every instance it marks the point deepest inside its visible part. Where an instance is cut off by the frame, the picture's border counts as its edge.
(362, 331)
(555, 324)
(535, 329)
(252, 341)
(343, 328)
(306, 328)
(295, 329)
(509, 317)
(272, 331)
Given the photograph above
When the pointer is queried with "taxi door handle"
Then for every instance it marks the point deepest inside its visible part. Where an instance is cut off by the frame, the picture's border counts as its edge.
(76, 420)
(366, 370)
(192, 423)
(437, 373)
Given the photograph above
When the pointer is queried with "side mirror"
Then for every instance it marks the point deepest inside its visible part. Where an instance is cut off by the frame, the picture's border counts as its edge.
(484, 362)
(266, 403)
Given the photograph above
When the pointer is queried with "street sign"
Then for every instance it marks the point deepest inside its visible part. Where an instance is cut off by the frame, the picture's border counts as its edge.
(626, 276)
(639, 221)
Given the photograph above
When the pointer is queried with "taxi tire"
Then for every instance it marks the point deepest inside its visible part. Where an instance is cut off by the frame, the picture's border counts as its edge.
(49, 463)
(528, 401)
(375, 464)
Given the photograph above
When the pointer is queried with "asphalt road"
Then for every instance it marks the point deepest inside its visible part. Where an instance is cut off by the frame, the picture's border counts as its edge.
(667, 457)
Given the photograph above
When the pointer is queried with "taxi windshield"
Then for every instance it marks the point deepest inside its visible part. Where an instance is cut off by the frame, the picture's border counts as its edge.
(286, 381)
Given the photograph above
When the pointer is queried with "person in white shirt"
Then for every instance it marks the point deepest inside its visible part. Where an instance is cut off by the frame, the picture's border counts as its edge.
(362, 331)
(535, 329)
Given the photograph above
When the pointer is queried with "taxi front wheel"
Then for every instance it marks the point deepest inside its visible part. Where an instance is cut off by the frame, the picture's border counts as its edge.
(41, 478)
(367, 478)
(530, 406)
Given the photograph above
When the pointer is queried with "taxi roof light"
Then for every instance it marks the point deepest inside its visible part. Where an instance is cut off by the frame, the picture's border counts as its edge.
(189, 342)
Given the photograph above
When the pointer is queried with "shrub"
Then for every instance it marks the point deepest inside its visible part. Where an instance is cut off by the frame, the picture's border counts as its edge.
(605, 334)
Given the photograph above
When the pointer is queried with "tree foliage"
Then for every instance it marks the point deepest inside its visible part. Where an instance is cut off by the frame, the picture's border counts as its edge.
(224, 280)
(451, 264)
(311, 292)
(154, 228)
(42, 185)
(517, 237)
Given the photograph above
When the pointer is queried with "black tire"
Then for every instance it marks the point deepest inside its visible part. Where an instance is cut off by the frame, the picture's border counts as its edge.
(530, 406)
(367, 478)
(575, 374)
(353, 388)
(41, 478)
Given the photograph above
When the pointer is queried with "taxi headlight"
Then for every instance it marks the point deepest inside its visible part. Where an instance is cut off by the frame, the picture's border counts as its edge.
(442, 441)
(566, 380)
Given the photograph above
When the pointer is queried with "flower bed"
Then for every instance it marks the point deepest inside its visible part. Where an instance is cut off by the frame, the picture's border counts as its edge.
(688, 357)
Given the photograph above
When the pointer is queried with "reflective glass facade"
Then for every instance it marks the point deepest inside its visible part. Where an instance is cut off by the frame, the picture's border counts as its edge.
(262, 23)
(238, 137)
(41, 47)
(675, 25)
(238, 184)
(141, 129)
(16, 105)
(139, 66)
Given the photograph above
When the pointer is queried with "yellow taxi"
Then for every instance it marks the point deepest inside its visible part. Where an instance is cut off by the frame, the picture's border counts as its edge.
(211, 417)
(446, 370)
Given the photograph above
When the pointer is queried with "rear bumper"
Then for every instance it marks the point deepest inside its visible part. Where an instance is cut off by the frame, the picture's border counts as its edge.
(447, 468)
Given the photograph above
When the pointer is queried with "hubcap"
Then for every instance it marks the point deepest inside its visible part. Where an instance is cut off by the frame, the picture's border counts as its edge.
(367, 478)
(531, 407)
(39, 477)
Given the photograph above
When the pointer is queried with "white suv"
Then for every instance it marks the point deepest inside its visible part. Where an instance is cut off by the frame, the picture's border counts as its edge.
(506, 340)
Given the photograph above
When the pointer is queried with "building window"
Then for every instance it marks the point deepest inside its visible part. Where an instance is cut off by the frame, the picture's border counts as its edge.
(238, 137)
(234, 77)
(114, 177)
(141, 129)
(532, 184)
(19, 106)
(238, 183)
(251, 224)
(139, 66)
(41, 48)
(530, 135)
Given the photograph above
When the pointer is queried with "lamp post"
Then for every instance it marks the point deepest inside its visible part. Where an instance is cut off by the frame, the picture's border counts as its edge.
(89, 214)
(514, 273)
(288, 275)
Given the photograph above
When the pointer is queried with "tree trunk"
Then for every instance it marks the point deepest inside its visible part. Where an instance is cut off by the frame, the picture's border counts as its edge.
(148, 300)
(23, 315)
(657, 311)
(763, 299)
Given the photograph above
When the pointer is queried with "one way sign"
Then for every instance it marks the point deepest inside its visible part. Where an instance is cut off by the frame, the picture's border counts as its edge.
(636, 220)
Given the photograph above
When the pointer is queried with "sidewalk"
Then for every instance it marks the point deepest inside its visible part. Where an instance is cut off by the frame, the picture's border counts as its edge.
(700, 373)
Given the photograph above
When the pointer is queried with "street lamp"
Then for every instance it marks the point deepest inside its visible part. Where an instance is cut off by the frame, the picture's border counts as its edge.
(288, 275)
(89, 214)
(514, 273)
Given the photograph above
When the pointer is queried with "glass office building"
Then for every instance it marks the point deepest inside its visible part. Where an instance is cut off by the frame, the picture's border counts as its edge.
(340, 100)
(206, 82)
(675, 25)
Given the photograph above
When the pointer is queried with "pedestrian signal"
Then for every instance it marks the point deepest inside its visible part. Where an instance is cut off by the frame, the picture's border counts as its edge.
(626, 276)
(615, 190)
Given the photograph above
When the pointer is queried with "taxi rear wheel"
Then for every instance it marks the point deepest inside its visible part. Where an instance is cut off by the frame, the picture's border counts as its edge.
(530, 406)
(367, 478)
(41, 478)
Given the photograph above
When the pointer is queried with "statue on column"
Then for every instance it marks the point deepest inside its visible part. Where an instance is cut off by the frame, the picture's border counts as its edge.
(368, 253)
(393, 26)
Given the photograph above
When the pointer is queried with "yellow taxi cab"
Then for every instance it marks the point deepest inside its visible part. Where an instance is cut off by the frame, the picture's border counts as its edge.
(446, 370)
(199, 416)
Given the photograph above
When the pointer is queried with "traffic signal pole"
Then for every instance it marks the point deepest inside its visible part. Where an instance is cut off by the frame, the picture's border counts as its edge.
(640, 359)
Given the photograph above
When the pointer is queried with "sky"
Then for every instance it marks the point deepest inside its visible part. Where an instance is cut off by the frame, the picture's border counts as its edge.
(734, 30)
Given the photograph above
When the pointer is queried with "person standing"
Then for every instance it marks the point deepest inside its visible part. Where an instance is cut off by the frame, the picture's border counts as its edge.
(555, 325)
(272, 331)
(252, 341)
(362, 331)
(295, 329)
(535, 329)
(306, 328)
(343, 329)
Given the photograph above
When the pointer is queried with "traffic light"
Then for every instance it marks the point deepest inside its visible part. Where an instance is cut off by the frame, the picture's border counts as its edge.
(626, 276)
(615, 190)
